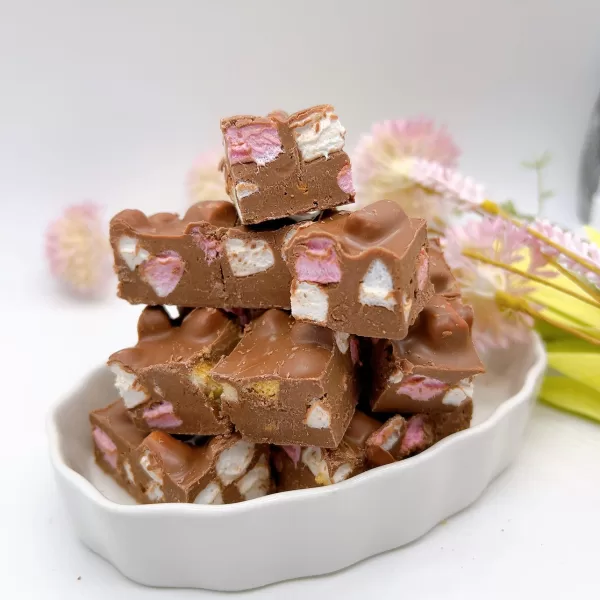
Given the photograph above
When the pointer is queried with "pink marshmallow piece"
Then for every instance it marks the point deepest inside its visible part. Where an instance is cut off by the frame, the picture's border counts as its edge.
(355, 351)
(161, 416)
(422, 269)
(419, 387)
(106, 446)
(163, 272)
(319, 264)
(414, 436)
(293, 451)
(211, 247)
(344, 179)
(258, 142)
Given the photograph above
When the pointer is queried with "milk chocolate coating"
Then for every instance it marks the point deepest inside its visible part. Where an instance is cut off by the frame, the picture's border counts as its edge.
(187, 262)
(115, 423)
(159, 468)
(171, 362)
(378, 235)
(444, 283)
(291, 383)
(186, 470)
(287, 185)
(416, 374)
(348, 459)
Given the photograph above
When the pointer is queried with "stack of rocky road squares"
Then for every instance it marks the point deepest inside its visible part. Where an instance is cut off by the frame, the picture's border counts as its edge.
(310, 343)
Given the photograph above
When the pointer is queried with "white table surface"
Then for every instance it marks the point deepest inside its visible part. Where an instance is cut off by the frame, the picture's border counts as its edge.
(112, 101)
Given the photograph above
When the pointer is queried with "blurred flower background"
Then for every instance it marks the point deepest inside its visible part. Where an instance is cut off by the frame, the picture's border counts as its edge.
(519, 272)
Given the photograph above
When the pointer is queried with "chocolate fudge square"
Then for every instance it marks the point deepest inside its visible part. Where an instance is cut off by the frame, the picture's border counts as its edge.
(299, 468)
(162, 259)
(115, 438)
(288, 383)
(278, 166)
(164, 379)
(433, 368)
(365, 273)
(224, 470)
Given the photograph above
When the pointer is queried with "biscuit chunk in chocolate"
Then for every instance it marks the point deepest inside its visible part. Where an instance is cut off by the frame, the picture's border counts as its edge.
(288, 383)
(278, 166)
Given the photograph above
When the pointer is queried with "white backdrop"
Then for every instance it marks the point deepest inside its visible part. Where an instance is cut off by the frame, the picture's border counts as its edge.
(112, 100)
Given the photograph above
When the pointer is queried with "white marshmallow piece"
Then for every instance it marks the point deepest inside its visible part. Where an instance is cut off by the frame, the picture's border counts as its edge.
(286, 240)
(342, 472)
(155, 475)
(312, 457)
(233, 462)
(229, 393)
(377, 286)
(342, 341)
(211, 494)
(391, 440)
(248, 257)
(396, 377)
(129, 472)
(128, 386)
(131, 252)
(308, 216)
(310, 302)
(244, 189)
(457, 395)
(317, 417)
(256, 482)
(154, 491)
(320, 137)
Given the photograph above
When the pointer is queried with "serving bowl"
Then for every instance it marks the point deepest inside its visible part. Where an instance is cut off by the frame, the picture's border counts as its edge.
(292, 534)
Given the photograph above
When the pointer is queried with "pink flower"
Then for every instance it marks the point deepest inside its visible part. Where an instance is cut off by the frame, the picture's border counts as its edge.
(396, 140)
(447, 182)
(77, 249)
(382, 158)
(482, 284)
(205, 181)
(587, 251)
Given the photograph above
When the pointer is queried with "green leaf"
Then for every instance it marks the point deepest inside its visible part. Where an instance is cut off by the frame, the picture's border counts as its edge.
(582, 366)
(571, 396)
(509, 207)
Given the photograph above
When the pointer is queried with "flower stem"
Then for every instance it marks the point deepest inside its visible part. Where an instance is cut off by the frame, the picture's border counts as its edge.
(578, 281)
(513, 303)
(491, 208)
(547, 282)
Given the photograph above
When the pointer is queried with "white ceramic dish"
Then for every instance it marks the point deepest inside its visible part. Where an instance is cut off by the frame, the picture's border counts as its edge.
(295, 534)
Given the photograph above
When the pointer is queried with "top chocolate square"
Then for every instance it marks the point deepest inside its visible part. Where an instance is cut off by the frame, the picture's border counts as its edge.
(278, 166)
